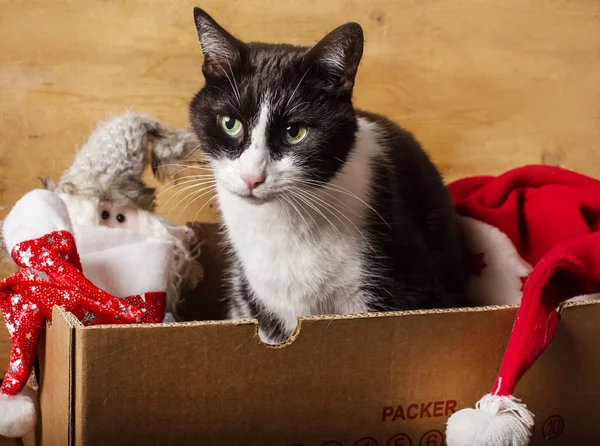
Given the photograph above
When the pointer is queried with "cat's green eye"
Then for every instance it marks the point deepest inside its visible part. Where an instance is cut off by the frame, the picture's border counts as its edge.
(231, 126)
(294, 133)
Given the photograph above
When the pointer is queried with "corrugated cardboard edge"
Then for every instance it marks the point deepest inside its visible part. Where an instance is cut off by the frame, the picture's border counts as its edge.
(309, 320)
(332, 317)
(56, 423)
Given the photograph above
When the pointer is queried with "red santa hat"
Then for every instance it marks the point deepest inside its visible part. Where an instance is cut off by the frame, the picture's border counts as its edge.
(113, 276)
(537, 226)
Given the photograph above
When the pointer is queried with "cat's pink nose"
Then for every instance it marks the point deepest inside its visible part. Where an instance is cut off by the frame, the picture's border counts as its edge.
(253, 180)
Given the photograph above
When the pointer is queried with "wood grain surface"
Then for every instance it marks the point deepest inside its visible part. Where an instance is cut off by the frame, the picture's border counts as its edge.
(486, 86)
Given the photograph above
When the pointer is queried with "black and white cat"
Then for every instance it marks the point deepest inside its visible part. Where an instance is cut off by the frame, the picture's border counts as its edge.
(326, 209)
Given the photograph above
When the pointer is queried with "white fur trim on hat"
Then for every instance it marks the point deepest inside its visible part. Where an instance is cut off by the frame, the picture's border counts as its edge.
(124, 262)
(36, 214)
(18, 413)
(503, 269)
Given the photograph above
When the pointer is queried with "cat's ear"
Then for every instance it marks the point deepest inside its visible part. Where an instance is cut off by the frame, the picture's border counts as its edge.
(222, 52)
(339, 53)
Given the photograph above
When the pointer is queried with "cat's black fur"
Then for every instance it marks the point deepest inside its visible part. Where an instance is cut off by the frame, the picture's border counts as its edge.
(424, 254)
(420, 260)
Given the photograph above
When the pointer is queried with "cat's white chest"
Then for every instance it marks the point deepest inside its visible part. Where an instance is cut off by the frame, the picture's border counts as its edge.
(295, 273)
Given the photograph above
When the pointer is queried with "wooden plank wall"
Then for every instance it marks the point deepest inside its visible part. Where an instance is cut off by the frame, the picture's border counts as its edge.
(485, 85)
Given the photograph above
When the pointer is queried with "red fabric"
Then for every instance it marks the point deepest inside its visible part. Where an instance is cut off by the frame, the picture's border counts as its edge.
(537, 207)
(569, 270)
(552, 216)
(51, 274)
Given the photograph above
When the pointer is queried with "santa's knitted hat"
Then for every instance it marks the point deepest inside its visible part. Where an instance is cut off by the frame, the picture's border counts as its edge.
(38, 233)
(551, 216)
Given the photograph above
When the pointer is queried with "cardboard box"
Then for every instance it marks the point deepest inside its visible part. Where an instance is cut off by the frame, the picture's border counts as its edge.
(381, 379)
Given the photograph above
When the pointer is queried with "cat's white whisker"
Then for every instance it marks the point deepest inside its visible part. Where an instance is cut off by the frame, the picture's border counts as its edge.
(204, 184)
(314, 222)
(331, 207)
(228, 95)
(175, 176)
(309, 202)
(230, 82)
(191, 153)
(289, 201)
(186, 166)
(291, 98)
(196, 196)
(297, 106)
(237, 91)
(203, 206)
(192, 199)
(194, 179)
(318, 205)
(185, 197)
(342, 190)
(341, 202)
(187, 179)
(162, 192)
(179, 179)
(309, 228)
(171, 186)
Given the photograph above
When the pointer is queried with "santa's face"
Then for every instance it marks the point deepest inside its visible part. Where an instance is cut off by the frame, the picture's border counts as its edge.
(118, 216)
(86, 211)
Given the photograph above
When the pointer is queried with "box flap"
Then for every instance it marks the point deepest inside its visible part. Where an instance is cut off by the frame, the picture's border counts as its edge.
(218, 384)
(56, 369)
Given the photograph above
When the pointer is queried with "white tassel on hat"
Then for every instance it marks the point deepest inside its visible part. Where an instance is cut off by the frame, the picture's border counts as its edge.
(18, 413)
(496, 420)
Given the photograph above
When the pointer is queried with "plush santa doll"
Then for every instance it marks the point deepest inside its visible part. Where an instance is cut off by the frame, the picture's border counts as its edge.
(104, 187)
(93, 246)
(534, 236)
(101, 275)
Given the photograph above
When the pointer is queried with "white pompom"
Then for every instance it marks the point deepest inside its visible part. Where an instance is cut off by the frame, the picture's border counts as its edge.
(18, 413)
(496, 421)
